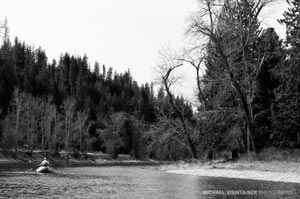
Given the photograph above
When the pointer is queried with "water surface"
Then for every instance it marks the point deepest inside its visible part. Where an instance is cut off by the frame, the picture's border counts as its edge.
(135, 182)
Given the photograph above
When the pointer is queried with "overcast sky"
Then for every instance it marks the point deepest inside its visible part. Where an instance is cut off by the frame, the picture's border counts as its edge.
(118, 33)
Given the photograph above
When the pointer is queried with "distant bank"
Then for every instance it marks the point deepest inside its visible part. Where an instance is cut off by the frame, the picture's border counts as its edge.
(27, 160)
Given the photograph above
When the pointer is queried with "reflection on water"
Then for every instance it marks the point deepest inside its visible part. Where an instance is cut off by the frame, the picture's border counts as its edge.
(134, 182)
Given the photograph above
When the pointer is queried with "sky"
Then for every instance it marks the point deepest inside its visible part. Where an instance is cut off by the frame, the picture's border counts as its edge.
(122, 34)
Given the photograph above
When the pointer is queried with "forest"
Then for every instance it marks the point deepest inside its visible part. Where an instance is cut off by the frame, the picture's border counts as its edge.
(247, 100)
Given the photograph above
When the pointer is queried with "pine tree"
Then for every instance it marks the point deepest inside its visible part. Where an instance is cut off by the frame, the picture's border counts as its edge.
(269, 45)
(286, 111)
(73, 74)
(8, 76)
(97, 70)
(42, 72)
(64, 71)
(82, 83)
(292, 22)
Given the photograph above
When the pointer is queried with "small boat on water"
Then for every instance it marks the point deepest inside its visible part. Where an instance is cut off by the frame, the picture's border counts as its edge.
(44, 169)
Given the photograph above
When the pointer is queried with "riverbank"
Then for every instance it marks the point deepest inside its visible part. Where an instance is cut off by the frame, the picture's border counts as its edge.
(277, 171)
(26, 160)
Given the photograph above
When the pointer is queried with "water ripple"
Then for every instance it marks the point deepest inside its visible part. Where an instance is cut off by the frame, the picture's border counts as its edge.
(128, 182)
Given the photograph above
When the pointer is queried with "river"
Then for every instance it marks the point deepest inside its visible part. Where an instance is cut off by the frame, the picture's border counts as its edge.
(134, 182)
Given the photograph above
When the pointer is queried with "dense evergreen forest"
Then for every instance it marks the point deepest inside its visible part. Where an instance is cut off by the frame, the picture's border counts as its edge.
(248, 98)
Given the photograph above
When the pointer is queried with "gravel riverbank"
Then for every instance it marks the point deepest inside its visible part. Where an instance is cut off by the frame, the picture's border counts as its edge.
(268, 171)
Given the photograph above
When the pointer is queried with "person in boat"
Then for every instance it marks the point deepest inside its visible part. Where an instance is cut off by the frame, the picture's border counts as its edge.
(45, 163)
(45, 167)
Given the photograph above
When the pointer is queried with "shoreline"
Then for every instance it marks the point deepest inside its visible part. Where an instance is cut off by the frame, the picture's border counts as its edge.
(245, 174)
(276, 171)
(64, 159)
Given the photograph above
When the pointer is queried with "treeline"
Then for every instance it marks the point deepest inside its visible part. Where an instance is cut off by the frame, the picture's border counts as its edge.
(65, 105)
(248, 98)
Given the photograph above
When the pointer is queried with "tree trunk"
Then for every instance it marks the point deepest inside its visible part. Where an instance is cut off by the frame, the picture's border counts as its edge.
(210, 155)
(17, 127)
(234, 154)
(42, 142)
(80, 138)
(192, 146)
(49, 137)
(54, 135)
(28, 131)
(185, 131)
(248, 138)
(250, 127)
(67, 135)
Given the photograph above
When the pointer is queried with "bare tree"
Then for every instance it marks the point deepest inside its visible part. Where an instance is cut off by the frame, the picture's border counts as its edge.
(195, 57)
(168, 64)
(226, 32)
(58, 136)
(19, 106)
(31, 120)
(69, 108)
(48, 114)
(4, 30)
(82, 117)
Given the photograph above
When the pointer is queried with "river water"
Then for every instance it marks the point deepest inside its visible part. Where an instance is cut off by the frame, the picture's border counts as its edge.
(135, 182)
